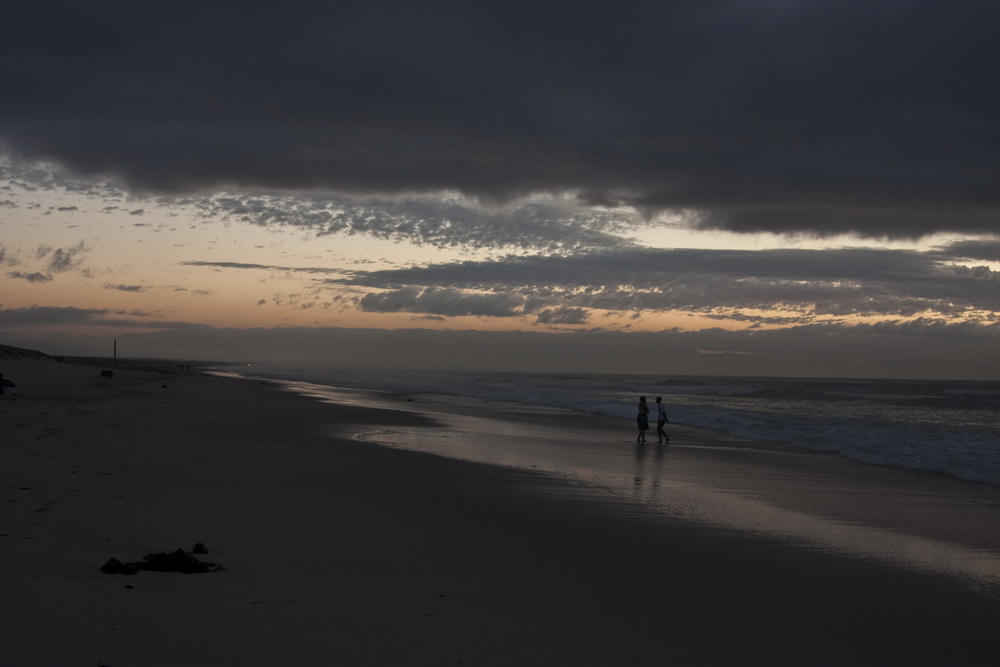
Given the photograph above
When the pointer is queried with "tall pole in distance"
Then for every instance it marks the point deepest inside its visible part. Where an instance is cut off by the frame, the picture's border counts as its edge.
(114, 360)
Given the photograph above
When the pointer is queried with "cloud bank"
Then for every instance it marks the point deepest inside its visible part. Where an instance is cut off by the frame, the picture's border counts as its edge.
(783, 284)
(918, 349)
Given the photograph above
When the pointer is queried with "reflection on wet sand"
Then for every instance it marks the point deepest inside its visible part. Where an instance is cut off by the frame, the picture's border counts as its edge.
(648, 476)
(700, 478)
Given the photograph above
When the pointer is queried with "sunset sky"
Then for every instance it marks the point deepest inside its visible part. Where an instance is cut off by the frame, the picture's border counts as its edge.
(760, 187)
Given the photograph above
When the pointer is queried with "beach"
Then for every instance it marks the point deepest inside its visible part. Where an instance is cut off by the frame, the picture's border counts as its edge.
(334, 549)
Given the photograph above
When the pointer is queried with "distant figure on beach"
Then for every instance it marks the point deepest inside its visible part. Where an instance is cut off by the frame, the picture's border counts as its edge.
(661, 419)
(643, 419)
(6, 386)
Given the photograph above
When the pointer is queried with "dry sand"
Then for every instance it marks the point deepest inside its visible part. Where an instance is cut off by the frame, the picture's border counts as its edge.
(340, 552)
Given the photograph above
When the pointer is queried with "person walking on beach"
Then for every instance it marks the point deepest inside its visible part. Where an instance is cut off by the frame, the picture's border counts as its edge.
(6, 386)
(643, 419)
(661, 419)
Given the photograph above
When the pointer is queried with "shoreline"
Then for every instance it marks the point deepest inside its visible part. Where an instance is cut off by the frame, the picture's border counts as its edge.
(595, 451)
(913, 425)
(337, 551)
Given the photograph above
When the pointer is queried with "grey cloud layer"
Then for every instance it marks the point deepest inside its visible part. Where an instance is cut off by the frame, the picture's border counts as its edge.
(550, 226)
(790, 116)
(801, 283)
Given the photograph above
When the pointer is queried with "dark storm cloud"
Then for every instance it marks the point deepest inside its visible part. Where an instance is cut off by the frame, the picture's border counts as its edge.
(805, 283)
(878, 118)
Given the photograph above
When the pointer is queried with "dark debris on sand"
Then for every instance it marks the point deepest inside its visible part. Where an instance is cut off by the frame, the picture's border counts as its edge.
(176, 561)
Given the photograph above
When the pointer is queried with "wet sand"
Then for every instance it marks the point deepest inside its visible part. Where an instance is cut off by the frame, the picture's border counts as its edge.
(919, 520)
(341, 551)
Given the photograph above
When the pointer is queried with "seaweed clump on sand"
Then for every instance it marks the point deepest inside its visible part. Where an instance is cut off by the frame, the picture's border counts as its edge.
(175, 561)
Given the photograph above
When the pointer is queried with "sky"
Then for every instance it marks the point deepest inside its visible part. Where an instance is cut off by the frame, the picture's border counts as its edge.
(769, 187)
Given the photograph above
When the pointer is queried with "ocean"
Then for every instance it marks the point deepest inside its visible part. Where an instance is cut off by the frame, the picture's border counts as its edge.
(948, 427)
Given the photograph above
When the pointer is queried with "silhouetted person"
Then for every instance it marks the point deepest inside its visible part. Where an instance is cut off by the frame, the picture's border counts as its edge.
(643, 419)
(6, 386)
(661, 419)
